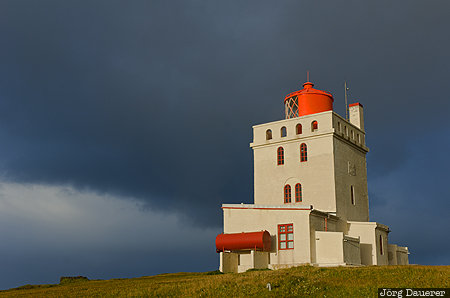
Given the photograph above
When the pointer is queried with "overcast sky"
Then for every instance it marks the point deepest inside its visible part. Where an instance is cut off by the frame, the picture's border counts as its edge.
(124, 125)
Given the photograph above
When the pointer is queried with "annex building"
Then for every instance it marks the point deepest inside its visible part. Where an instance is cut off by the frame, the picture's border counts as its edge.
(311, 202)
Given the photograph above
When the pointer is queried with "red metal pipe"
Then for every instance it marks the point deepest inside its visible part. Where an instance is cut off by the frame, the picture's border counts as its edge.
(244, 241)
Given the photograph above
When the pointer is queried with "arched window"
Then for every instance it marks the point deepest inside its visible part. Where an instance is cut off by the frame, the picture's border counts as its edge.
(298, 129)
(283, 131)
(303, 152)
(287, 193)
(268, 134)
(280, 156)
(314, 125)
(298, 192)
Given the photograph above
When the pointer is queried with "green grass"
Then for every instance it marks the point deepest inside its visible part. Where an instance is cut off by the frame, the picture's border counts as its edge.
(298, 281)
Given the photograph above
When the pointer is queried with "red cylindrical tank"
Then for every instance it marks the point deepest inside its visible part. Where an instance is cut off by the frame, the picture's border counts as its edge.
(311, 101)
(242, 241)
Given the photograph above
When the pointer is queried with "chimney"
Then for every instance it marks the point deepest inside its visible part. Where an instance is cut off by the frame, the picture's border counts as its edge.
(356, 115)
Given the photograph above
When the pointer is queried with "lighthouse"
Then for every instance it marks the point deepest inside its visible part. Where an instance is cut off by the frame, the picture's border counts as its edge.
(311, 203)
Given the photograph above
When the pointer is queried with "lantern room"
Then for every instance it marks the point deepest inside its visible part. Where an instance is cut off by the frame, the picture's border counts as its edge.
(307, 101)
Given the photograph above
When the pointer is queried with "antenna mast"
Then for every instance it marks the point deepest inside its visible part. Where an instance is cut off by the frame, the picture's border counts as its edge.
(346, 104)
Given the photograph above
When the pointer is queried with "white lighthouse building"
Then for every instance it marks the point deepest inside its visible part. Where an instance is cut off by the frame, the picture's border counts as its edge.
(311, 202)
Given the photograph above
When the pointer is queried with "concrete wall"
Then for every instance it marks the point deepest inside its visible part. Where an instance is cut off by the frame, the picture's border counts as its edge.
(251, 259)
(350, 171)
(242, 261)
(252, 220)
(369, 233)
(397, 255)
(228, 262)
(382, 254)
(402, 255)
(352, 251)
(260, 259)
(392, 254)
(366, 234)
(245, 261)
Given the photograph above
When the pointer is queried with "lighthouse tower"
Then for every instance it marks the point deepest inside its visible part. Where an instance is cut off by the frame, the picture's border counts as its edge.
(310, 194)
(321, 157)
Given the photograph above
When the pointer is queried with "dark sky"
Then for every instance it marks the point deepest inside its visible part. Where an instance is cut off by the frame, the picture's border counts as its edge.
(124, 125)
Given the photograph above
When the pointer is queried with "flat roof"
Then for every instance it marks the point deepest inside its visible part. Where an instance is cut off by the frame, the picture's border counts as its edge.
(373, 223)
(267, 207)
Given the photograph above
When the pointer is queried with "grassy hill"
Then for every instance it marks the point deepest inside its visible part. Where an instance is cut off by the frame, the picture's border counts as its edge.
(298, 281)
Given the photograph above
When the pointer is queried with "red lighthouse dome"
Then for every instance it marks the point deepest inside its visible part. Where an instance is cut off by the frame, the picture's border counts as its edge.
(307, 101)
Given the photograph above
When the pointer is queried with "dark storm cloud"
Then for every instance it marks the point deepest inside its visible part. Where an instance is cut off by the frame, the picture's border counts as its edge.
(155, 99)
(413, 201)
(131, 99)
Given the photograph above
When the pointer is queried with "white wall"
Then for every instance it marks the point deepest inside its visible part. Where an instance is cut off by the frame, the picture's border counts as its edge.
(329, 248)
(366, 233)
(336, 161)
(315, 175)
(253, 220)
